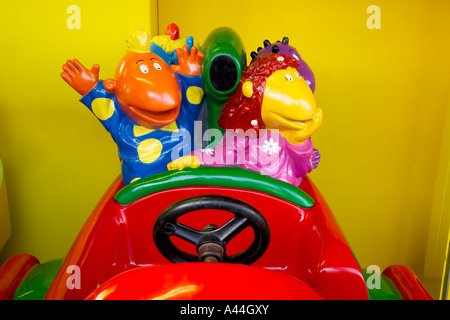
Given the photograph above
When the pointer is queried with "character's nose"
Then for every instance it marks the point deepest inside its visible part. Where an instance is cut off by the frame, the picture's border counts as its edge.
(166, 100)
(164, 94)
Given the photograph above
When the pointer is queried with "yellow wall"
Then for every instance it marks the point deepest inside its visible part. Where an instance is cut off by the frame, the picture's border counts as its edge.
(58, 158)
(384, 95)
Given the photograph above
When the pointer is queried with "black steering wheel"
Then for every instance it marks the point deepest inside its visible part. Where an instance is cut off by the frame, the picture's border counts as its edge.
(211, 241)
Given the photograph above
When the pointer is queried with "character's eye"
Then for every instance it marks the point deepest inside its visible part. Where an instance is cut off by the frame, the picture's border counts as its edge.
(297, 75)
(289, 77)
(143, 68)
(157, 66)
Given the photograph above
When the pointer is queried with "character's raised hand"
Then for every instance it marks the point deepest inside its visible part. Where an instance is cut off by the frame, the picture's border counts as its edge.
(80, 78)
(188, 62)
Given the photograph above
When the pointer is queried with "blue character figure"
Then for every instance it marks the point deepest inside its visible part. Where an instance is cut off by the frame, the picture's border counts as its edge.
(149, 108)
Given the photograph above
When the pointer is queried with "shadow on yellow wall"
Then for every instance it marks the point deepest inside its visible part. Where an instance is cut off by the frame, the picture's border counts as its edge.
(5, 225)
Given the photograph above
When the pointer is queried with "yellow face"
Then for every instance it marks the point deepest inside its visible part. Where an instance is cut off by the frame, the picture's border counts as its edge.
(289, 106)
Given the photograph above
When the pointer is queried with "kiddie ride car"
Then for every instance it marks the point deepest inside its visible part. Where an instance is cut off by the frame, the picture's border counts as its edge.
(210, 232)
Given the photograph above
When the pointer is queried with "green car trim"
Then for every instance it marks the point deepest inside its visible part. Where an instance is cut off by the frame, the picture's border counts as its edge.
(37, 282)
(230, 177)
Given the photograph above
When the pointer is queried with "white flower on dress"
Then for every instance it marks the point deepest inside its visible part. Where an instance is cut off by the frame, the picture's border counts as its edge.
(270, 146)
(208, 151)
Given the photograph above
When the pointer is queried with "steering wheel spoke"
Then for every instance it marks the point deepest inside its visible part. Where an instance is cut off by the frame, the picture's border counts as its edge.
(183, 232)
(231, 228)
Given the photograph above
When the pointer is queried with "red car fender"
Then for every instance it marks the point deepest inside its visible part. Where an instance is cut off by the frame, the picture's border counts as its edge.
(407, 283)
(13, 271)
(203, 281)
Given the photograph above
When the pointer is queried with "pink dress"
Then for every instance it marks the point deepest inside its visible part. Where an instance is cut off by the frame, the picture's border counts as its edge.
(270, 154)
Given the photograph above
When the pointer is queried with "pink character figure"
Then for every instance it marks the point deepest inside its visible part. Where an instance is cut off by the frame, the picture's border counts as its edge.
(269, 121)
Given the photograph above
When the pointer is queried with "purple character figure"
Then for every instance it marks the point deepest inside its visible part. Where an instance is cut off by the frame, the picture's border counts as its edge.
(283, 47)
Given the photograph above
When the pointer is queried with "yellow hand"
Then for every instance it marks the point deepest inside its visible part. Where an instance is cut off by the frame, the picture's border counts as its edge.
(183, 162)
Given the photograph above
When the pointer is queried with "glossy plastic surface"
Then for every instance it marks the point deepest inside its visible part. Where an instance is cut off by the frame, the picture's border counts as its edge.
(36, 283)
(272, 95)
(269, 121)
(188, 61)
(203, 281)
(149, 108)
(305, 243)
(211, 242)
(385, 291)
(214, 177)
(290, 106)
(284, 48)
(165, 45)
(406, 282)
(221, 69)
(173, 31)
(13, 271)
(146, 89)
